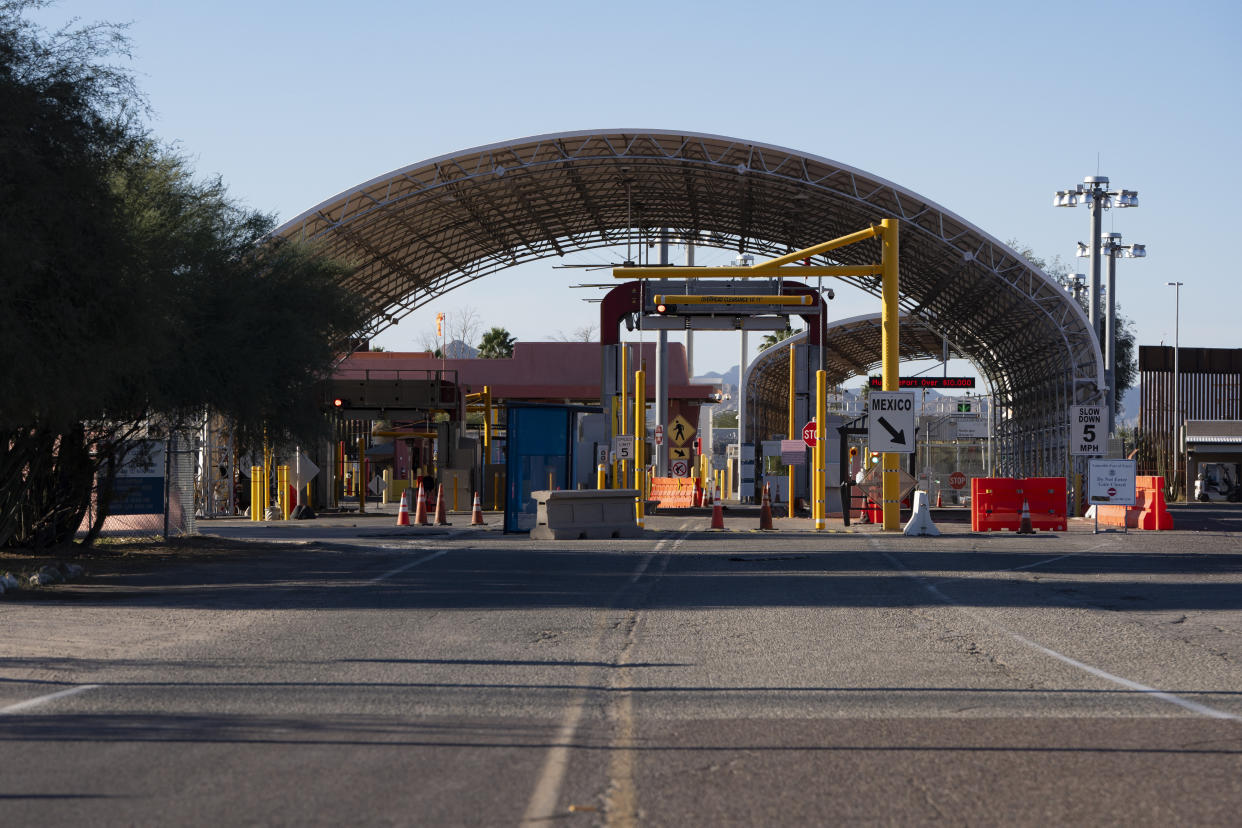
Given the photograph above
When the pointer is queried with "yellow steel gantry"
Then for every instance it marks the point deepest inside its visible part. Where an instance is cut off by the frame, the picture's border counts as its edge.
(784, 266)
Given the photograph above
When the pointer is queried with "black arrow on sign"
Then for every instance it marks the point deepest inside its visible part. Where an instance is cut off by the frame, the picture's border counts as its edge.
(898, 437)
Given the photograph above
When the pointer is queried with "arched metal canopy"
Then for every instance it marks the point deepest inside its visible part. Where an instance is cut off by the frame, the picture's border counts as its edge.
(422, 230)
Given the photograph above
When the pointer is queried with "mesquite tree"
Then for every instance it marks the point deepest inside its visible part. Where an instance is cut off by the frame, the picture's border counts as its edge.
(133, 293)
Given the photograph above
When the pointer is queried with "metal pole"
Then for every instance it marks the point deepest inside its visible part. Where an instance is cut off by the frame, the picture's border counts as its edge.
(625, 408)
(741, 416)
(1098, 186)
(819, 510)
(660, 460)
(640, 436)
(1110, 328)
(793, 423)
(890, 354)
(1177, 396)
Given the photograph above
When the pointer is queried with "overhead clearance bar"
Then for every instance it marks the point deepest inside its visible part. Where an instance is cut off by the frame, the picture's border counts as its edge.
(784, 267)
(718, 299)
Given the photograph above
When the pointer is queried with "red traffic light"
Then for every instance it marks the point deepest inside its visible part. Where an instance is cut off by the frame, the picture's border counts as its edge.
(338, 403)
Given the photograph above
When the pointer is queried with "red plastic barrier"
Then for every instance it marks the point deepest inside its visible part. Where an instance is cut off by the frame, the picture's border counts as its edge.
(1149, 511)
(996, 503)
(673, 492)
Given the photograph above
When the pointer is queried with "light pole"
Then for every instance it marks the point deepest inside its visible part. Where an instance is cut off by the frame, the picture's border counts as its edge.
(1177, 396)
(1111, 246)
(1094, 192)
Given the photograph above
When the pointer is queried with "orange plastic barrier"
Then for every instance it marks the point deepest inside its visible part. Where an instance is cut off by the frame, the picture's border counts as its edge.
(996, 503)
(1148, 512)
(673, 492)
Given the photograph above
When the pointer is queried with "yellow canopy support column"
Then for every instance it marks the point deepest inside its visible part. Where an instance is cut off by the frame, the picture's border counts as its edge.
(640, 437)
(890, 356)
(793, 424)
(820, 508)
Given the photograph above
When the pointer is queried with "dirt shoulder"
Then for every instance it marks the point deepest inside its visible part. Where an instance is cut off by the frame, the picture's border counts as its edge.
(122, 556)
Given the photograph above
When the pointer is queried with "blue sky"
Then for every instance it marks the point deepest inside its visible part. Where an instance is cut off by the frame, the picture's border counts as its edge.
(985, 108)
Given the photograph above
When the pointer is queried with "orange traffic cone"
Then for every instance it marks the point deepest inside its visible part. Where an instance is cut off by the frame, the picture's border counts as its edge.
(420, 508)
(403, 513)
(939, 498)
(707, 495)
(476, 513)
(717, 515)
(1024, 524)
(441, 517)
(765, 511)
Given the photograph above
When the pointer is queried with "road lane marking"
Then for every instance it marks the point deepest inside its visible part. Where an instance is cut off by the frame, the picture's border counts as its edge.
(622, 797)
(541, 808)
(410, 565)
(1171, 698)
(60, 694)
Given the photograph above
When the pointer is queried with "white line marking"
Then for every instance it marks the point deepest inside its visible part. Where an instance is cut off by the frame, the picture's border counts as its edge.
(1171, 698)
(1050, 560)
(410, 565)
(29, 703)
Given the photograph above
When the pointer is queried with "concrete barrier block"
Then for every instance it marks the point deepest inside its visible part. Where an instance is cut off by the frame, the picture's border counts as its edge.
(591, 514)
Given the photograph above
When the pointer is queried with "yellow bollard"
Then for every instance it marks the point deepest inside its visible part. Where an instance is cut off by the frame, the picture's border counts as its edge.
(256, 493)
(640, 438)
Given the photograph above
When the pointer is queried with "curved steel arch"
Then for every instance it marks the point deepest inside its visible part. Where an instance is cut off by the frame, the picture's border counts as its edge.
(422, 230)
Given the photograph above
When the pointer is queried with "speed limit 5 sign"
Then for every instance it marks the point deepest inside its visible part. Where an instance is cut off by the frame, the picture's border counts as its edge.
(1087, 429)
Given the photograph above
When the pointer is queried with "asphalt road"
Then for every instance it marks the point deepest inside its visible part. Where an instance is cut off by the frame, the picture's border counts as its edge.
(367, 675)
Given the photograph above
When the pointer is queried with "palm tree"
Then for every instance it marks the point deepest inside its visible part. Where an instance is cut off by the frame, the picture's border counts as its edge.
(496, 344)
(776, 336)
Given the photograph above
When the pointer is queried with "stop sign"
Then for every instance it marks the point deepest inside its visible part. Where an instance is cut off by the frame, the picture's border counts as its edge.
(808, 434)
(957, 480)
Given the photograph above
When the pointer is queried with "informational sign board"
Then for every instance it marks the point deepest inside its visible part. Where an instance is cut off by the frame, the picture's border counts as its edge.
(680, 431)
(1087, 429)
(623, 446)
(890, 422)
(680, 468)
(303, 471)
(808, 433)
(793, 452)
(873, 484)
(927, 382)
(971, 427)
(139, 485)
(1111, 482)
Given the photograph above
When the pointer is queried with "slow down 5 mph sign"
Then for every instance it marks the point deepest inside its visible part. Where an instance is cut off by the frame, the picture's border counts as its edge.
(890, 422)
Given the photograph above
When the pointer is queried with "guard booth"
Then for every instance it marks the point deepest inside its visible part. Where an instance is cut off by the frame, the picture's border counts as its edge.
(544, 443)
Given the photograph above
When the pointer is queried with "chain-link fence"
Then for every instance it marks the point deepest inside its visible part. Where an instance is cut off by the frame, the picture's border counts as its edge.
(154, 494)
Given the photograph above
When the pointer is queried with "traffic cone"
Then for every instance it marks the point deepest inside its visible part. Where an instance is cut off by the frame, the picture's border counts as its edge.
(1024, 525)
(717, 515)
(707, 494)
(403, 512)
(939, 498)
(476, 513)
(420, 508)
(765, 511)
(441, 517)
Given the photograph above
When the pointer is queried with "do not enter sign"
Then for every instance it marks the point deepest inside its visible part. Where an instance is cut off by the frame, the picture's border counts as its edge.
(808, 434)
(957, 480)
